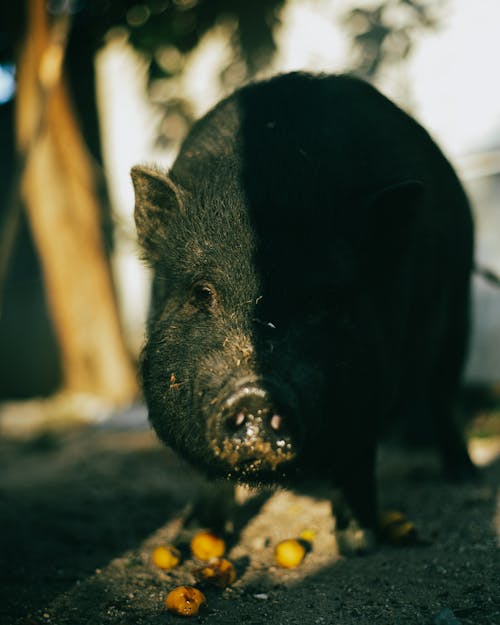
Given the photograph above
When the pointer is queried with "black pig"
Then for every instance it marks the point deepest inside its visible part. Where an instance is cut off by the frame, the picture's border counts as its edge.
(312, 251)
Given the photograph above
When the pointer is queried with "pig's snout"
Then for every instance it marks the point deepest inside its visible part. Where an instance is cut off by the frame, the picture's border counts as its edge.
(254, 431)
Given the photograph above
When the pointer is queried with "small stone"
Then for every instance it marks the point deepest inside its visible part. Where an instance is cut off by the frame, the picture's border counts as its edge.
(445, 617)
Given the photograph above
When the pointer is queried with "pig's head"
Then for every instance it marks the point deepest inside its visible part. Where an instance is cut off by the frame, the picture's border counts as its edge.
(233, 369)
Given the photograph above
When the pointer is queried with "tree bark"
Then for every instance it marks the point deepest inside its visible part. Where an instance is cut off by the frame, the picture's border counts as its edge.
(63, 211)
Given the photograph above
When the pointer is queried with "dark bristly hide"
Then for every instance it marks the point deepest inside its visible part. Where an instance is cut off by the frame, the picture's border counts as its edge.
(312, 251)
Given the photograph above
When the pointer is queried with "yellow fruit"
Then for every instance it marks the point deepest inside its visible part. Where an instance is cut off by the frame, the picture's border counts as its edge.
(388, 517)
(166, 557)
(220, 573)
(396, 529)
(206, 546)
(185, 601)
(308, 535)
(289, 553)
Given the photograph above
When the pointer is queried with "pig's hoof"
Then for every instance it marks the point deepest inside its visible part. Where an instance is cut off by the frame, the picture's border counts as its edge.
(355, 540)
(395, 529)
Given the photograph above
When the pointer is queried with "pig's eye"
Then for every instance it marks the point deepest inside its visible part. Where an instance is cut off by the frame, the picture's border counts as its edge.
(202, 297)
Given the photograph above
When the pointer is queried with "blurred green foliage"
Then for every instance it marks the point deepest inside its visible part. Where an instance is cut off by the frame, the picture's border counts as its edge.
(385, 33)
(156, 24)
(166, 31)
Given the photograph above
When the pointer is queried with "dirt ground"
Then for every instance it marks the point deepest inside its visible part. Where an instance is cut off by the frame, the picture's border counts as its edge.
(81, 511)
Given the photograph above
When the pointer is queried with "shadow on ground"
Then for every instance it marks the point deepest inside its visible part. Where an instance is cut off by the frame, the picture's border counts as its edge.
(71, 503)
(82, 511)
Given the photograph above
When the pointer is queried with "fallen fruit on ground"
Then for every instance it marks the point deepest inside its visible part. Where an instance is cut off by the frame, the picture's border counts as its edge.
(289, 553)
(205, 546)
(308, 535)
(166, 557)
(185, 601)
(396, 529)
(220, 573)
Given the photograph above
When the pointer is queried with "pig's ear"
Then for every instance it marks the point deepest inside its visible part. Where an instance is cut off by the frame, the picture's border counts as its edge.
(157, 198)
(393, 213)
(399, 200)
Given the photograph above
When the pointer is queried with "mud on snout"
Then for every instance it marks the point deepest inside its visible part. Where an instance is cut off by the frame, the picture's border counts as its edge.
(253, 429)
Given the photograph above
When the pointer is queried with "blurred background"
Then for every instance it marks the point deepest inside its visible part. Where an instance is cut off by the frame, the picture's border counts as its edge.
(90, 87)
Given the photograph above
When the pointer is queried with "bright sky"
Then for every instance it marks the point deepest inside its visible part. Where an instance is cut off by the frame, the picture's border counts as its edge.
(455, 77)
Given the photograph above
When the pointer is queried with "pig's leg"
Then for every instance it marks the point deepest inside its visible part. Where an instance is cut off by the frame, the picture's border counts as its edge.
(214, 507)
(450, 438)
(445, 386)
(354, 505)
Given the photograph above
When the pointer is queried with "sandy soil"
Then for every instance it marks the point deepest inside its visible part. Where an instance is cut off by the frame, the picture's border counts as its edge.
(82, 510)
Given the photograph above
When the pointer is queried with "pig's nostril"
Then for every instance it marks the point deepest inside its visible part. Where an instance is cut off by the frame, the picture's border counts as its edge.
(276, 422)
(235, 421)
(239, 419)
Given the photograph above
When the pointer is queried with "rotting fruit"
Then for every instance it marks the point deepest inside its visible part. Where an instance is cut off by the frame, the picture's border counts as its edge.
(185, 601)
(220, 573)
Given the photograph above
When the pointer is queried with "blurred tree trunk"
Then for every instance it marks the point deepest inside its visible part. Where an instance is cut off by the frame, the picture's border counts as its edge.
(63, 211)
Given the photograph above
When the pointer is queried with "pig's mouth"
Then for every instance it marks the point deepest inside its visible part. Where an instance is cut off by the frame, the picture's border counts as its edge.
(253, 433)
